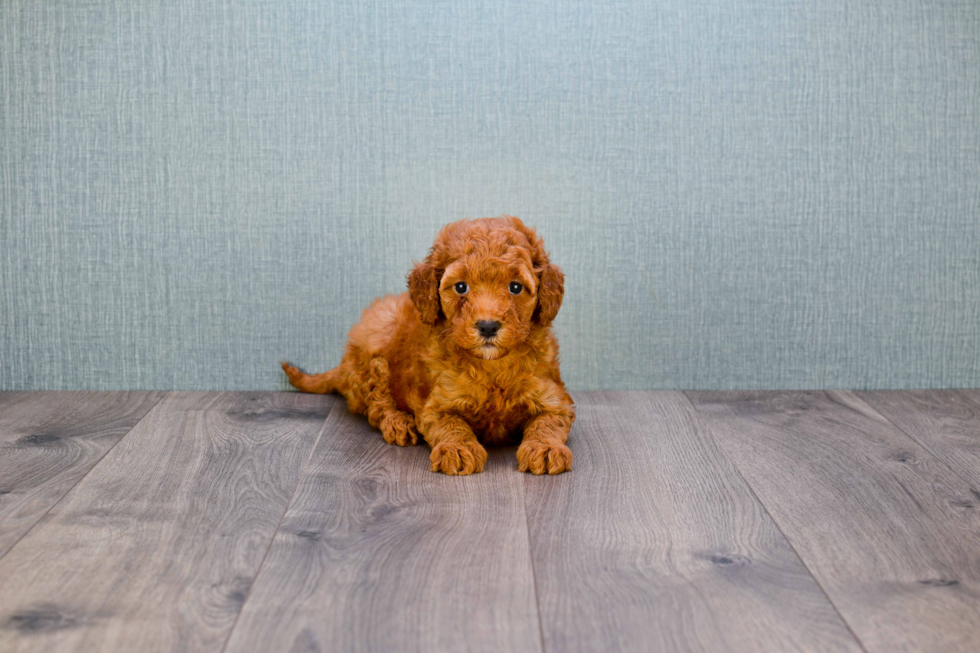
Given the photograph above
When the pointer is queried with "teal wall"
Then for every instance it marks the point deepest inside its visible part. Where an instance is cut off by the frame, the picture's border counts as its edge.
(756, 194)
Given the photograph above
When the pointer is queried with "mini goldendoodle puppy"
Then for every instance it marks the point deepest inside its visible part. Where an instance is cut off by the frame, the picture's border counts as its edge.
(466, 356)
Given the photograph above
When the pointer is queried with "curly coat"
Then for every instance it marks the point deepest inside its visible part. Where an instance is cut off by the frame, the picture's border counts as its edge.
(461, 358)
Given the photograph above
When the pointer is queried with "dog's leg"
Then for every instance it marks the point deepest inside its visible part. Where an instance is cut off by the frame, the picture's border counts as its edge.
(543, 448)
(397, 427)
(455, 449)
(321, 384)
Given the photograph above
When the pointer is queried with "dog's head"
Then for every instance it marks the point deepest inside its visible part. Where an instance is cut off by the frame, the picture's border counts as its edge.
(490, 281)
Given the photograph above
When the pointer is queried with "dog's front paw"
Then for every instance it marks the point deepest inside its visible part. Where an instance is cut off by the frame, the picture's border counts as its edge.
(544, 457)
(399, 428)
(458, 458)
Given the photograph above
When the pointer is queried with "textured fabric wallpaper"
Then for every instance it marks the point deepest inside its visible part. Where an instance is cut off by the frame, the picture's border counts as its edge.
(755, 194)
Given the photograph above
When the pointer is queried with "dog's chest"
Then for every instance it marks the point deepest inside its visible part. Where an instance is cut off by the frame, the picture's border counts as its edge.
(497, 413)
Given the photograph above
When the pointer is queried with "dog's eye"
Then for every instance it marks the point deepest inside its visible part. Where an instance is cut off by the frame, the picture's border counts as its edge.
(515, 288)
(461, 287)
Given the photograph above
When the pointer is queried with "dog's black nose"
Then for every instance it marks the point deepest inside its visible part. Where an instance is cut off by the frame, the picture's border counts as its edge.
(487, 328)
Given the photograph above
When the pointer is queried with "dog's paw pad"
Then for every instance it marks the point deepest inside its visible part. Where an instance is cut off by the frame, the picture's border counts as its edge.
(544, 458)
(458, 459)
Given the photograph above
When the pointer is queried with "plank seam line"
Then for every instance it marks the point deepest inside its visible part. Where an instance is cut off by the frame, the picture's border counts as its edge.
(530, 558)
(916, 440)
(775, 523)
(299, 480)
(85, 475)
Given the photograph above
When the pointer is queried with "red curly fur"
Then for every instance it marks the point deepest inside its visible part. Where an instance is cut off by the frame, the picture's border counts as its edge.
(417, 362)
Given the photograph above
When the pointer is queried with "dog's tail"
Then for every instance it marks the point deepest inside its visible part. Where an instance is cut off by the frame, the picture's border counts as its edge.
(320, 384)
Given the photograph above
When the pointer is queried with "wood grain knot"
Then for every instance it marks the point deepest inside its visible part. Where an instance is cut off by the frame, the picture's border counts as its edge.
(378, 513)
(40, 620)
(725, 559)
(29, 440)
(312, 536)
(939, 582)
(366, 487)
(730, 560)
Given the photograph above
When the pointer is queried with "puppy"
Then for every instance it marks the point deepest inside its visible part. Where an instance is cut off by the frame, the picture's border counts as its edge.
(466, 356)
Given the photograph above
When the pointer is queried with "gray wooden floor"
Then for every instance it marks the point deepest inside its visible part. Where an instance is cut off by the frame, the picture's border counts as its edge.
(702, 521)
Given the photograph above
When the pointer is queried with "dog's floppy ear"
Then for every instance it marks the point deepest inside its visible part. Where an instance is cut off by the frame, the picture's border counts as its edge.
(551, 289)
(423, 288)
(551, 280)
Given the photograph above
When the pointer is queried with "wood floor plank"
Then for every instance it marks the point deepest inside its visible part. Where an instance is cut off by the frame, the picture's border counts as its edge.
(156, 548)
(377, 553)
(50, 440)
(654, 543)
(888, 530)
(946, 422)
